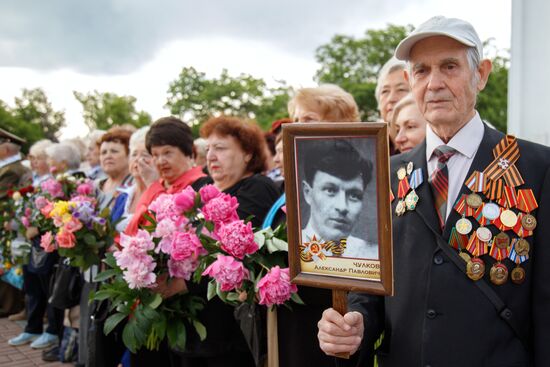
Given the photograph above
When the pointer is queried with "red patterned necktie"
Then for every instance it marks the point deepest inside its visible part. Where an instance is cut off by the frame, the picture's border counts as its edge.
(439, 181)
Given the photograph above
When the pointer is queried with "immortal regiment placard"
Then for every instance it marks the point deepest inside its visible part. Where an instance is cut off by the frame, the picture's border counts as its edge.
(339, 217)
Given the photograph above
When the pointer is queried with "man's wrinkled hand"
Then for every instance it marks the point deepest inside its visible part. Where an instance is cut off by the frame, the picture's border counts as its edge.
(340, 334)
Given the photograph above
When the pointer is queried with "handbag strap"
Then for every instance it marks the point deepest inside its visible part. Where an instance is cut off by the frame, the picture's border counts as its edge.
(502, 309)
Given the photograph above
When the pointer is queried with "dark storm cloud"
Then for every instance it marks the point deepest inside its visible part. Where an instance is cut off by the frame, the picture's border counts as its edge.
(116, 36)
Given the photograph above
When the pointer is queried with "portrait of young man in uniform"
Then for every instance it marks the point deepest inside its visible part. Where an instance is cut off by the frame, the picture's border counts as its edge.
(335, 177)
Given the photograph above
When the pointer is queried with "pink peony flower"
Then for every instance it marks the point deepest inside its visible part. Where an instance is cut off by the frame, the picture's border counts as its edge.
(73, 225)
(65, 239)
(52, 187)
(138, 244)
(237, 238)
(185, 200)
(221, 209)
(140, 274)
(183, 268)
(85, 189)
(228, 272)
(275, 287)
(165, 227)
(186, 245)
(208, 193)
(164, 207)
(46, 242)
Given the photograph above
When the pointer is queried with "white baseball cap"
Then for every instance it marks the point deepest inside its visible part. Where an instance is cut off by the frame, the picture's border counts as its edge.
(457, 29)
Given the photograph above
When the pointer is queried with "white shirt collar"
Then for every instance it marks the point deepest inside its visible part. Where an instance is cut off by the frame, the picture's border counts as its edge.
(10, 160)
(466, 140)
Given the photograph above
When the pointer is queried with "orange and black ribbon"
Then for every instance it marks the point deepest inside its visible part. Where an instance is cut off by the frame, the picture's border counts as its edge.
(506, 154)
(494, 189)
(526, 200)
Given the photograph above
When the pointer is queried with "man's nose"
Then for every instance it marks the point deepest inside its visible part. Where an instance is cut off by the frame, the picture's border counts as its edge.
(341, 203)
(435, 80)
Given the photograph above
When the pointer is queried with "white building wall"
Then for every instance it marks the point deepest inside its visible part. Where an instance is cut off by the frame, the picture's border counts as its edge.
(529, 78)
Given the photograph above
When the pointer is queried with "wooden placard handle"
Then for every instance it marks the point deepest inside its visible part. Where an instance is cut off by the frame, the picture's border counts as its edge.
(340, 304)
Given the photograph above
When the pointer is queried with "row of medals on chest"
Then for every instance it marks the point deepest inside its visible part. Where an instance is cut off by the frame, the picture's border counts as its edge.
(475, 266)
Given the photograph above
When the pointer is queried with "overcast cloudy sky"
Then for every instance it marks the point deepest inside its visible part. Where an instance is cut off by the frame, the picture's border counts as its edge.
(137, 47)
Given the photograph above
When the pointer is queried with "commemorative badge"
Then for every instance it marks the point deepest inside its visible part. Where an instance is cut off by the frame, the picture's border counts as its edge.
(475, 269)
(498, 274)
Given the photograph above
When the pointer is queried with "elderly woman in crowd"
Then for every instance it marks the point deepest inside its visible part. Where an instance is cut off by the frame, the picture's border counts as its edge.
(113, 158)
(94, 170)
(390, 88)
(409, 123)
(39, 161)
(144, 174)
(235, 159)
(64, 157)
(37, 274)
(327, 102)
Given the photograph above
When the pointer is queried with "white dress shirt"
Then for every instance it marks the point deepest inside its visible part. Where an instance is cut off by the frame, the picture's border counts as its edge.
(466, 142)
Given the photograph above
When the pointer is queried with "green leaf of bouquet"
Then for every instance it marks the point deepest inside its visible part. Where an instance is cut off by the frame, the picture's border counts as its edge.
(276, 244)
(200, 329)
(110, 260)
(89, 239)
(156, 301)
(232, 296)
(296, 298)
(102, 295)
(211, 292)
(104, 275)
(177, 336)
(112, 321)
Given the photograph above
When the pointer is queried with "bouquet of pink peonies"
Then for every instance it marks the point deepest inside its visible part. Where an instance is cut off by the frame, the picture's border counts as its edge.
(191, 235)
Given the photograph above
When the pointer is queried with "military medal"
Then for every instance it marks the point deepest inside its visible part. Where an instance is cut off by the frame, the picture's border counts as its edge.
(522, 247)
(498, 274)
(409, 168)
(517, 275)
(529, 222)
(415, 180)
(463, 226)
(401, 173)
(457, 240)
(491, 211)
(474, 200)
(484, 234)
(400, 208)
(502, 240)
(475, 269)
(508, 218)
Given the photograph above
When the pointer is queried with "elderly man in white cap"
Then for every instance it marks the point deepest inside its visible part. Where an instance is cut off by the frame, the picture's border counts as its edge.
(471, 253)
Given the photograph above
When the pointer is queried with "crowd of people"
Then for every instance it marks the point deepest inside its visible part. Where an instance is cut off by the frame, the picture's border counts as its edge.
(426, 94)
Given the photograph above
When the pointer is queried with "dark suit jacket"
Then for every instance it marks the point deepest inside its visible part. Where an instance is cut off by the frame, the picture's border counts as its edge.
(13, 176)
(438, 316)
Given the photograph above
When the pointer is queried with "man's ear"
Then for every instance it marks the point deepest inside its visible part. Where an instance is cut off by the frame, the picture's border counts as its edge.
(484, 69)
(406, 75)
(307, 192)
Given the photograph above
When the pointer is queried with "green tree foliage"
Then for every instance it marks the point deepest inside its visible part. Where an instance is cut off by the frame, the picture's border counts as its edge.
(194, 98)
(105, 110)
(33, 117)
(354, 63)
(492, 102)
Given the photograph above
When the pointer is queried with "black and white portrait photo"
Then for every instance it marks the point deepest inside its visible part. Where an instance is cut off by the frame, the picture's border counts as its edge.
(337, 195)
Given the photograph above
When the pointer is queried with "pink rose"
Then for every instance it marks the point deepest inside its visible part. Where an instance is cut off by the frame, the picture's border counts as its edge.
(186, 245)
(228, 272)
(237, 238)
(46, 242)
(275, 287)
(208, 193)
(25, 221)
(65, 239)
(185, 200)
(47, 209)
(73, 225)
(85, 189)
(28, 212)
(182, 269)
(221, 209)
(40, 202)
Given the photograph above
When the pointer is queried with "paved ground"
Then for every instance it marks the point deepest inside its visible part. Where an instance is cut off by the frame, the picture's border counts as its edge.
(22, 356)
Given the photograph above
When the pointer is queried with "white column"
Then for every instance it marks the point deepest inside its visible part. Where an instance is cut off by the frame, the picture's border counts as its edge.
(529, 78)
